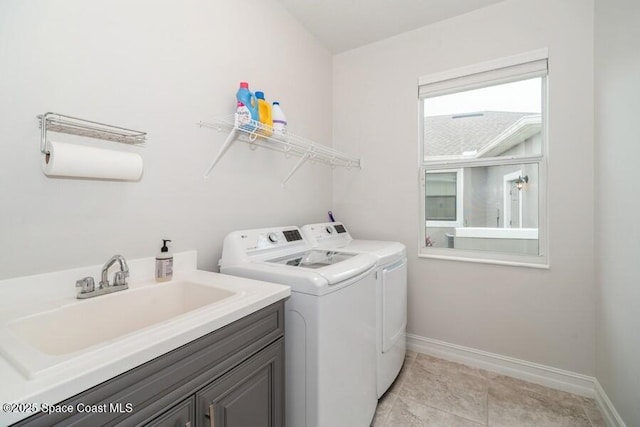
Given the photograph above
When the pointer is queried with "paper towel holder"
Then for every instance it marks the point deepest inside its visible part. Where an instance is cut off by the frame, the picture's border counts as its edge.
(61, 123)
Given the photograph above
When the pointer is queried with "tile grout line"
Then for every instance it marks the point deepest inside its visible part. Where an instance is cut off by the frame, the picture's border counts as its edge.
(584, 409)
(406, 365)
(538, 394)
(478, 422)
(488, 388)
(426, 404)
(388, 414)
(439, 410)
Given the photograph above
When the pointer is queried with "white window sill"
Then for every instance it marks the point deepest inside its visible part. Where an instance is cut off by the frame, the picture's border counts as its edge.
(527, 261)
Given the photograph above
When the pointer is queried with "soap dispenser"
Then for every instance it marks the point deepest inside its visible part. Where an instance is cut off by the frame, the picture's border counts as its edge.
(164, 263)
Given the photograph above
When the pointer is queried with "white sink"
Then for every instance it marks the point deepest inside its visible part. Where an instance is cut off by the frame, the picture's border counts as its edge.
(85, 323)
(54, 346)
(71, 335)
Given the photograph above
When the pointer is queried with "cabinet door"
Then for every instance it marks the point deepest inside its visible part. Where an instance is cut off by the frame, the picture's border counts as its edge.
(252, 394)
(181, 415)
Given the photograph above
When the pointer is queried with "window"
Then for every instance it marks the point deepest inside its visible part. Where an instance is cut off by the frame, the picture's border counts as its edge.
(443, 198)
(483, 162)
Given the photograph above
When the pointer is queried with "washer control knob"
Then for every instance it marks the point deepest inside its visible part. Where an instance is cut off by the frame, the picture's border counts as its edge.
(273, 237)
(329, 230)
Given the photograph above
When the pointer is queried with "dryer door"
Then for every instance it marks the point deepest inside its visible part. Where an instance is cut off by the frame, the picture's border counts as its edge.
(394, 304)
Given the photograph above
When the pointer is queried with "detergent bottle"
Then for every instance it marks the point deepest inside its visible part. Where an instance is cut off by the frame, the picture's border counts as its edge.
(243, 116)
(248, 99)
(264, 111)
(279, 121)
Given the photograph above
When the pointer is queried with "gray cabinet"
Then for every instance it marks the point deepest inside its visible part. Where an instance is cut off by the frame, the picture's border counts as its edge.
(181, 415)
(249, 396)
(235, 373)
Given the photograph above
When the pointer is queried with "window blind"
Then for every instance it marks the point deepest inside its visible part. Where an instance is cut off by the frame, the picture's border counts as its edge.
(519, 67)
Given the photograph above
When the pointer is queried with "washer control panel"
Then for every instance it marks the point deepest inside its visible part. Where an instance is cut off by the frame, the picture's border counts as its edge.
(275, 238)
(327, 232)
(292, 235)
(340, 228)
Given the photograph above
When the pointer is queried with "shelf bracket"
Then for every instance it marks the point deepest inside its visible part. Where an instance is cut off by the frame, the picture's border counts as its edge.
(225, 146)
(306, 156)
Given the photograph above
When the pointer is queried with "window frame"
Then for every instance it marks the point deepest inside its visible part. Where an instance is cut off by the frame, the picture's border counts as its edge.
(458, 222)
(504, 70)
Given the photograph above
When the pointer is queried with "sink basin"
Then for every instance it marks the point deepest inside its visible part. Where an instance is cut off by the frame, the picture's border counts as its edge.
(85, 323)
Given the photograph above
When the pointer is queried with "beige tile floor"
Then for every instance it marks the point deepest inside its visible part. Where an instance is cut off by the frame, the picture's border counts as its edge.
(436, 392)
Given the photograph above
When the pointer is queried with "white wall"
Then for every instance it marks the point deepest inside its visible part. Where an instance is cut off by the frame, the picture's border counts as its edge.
(157, 66)
(545, 316)
(617, 71)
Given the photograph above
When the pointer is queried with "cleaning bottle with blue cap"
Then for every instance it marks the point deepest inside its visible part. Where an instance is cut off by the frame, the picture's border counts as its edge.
(264, 112)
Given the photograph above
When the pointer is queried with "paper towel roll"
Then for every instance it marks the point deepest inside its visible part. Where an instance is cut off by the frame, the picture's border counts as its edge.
(81, 161)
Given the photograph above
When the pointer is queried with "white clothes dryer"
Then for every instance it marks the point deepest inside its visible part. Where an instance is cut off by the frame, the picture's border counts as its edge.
(391, 292)
(330, 323)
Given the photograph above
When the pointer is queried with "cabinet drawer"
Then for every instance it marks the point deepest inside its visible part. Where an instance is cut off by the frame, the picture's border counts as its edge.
(156, 385)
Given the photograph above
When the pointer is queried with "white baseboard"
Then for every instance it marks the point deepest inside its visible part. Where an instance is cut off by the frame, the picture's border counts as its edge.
(609, 412)
(547, 376)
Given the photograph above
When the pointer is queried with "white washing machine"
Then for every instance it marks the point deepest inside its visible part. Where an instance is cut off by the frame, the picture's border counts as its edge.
(330, 323)
(391, 292)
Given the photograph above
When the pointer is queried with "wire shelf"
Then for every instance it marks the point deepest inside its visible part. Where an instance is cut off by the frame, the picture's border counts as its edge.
(260, 135)
(75, 126)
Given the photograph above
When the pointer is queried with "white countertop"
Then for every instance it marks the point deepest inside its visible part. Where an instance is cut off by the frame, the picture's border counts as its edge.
(70, 374)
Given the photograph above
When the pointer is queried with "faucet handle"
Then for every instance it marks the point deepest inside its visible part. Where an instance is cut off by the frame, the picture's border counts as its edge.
(120, 278)
(87, 284)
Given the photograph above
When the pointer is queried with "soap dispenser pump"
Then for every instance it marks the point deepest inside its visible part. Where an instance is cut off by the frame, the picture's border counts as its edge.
(164, 263)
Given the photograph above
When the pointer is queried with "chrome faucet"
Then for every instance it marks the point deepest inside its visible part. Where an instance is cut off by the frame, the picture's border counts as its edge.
(120, 280)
